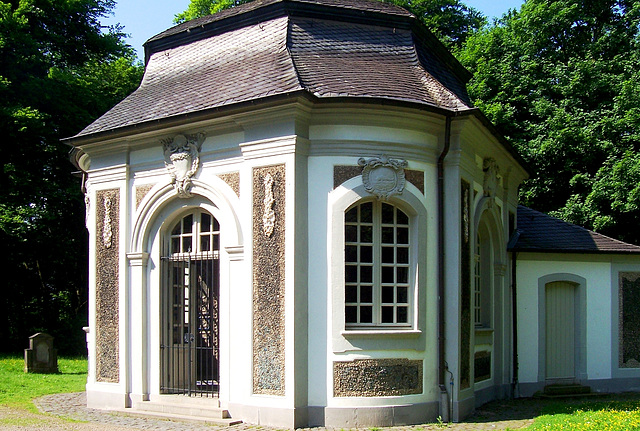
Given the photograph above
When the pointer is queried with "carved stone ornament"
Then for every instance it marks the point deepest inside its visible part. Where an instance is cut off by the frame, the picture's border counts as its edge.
(491, 171)
(382, 176)
(269, 215)
(87, 209)
(107, 231)
(465, 214)
(182, 159)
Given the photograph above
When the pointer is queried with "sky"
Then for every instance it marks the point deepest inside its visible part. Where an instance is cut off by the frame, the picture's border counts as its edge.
(143, 19)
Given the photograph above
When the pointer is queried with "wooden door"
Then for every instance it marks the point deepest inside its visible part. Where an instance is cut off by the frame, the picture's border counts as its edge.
(560, 331)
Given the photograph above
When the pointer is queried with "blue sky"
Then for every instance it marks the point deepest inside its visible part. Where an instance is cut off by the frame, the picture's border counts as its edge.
(143, 19)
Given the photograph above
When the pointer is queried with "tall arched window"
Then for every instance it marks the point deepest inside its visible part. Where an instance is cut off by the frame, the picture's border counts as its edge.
(377, 266)
(483, 279)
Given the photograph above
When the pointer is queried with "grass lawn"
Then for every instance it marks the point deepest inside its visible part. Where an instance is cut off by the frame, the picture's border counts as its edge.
(18, 388)
(611, 413)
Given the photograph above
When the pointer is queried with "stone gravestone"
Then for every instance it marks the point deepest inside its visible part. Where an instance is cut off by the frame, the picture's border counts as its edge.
(41, 357)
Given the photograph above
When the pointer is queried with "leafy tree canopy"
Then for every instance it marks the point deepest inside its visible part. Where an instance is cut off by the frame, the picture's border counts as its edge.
(450, 20)
(58, 71)
(561, 80)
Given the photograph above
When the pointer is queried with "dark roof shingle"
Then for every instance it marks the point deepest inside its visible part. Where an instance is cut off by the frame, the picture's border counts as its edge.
(539, 232)
(315, 51)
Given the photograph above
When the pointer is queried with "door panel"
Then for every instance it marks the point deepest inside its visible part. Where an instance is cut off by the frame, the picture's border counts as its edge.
(560, 331)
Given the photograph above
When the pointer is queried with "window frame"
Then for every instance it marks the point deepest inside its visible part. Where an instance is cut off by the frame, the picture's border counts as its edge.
(196, 234)
(377, 228)
(423, 235)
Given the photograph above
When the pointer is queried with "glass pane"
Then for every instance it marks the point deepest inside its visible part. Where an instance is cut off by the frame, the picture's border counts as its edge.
(387, 235)
(387, 213)
(351, 294)
(205, 243)
(402, 217)
(403, 275)
(351, 215)
(403, 314)
(186, 244)
(366, 295)
(351, 233)
(366, 212)
(402, 254)
(403, 235)
(176, 229)
(351, 273)
(366, 254)
(387, 314)
(366, 234)
(216, 242)
(366, 314)
(351, 253)
(205, 222)
(403, 295)
(351, 314)
(387, 295)
(187, 224)
(387, 274)
(216, 225)
(175, 245)
(387, 255)
(366, 274)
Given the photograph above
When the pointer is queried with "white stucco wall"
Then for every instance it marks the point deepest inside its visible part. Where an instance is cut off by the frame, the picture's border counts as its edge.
(596, 270)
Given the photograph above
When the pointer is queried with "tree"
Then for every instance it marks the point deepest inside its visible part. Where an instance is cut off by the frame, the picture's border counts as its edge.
(560, 79)
(450, 20)
(58, 72)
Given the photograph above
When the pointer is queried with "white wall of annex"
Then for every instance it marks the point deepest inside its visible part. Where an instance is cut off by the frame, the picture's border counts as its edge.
(597, 273)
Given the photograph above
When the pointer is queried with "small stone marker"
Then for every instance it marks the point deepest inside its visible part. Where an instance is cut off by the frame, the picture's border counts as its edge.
(41, 357)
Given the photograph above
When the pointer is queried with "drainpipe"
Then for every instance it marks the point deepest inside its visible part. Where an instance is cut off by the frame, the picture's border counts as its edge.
(514, 325)
(444, 399)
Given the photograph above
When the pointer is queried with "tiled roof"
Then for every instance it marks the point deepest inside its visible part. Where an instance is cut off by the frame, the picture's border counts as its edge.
(337, 59)
(359, 5)
(539, 232)
(286, 53)
(245, 64)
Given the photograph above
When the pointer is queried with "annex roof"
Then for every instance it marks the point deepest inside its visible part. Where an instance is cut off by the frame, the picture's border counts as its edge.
(323, 48)
(539, 232)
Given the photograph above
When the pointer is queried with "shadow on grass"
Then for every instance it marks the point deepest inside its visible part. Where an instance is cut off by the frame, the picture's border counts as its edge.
(530, 408)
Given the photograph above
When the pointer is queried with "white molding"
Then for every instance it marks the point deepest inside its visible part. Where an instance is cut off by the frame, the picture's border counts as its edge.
(104, 175)
(355, 148)
(284, 145)
(236, 252)
(138, 258)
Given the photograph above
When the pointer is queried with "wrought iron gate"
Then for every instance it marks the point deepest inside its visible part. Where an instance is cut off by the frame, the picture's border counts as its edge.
(189, 348)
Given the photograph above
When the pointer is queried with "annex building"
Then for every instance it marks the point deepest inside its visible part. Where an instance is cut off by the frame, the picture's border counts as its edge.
(299, 219)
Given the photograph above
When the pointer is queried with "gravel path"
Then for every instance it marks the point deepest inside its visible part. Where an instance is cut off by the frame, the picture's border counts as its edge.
(69, 412)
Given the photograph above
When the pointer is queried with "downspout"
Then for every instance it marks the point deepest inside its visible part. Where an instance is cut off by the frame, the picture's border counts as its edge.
(444, 399)
(515, 388)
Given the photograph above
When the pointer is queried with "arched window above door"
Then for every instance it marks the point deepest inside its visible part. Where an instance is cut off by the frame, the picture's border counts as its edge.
(195, 233)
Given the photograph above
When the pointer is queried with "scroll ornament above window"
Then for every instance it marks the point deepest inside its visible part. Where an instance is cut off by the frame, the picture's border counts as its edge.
(382, 176)
(182, 160)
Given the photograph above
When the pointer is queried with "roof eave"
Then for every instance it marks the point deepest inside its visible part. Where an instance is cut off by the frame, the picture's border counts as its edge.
(182, 119)
(571, 251)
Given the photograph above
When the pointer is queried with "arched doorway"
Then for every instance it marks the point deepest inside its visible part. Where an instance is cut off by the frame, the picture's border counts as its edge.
(190, 335)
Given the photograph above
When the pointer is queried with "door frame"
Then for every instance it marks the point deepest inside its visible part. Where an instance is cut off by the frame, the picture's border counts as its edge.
(580, 319)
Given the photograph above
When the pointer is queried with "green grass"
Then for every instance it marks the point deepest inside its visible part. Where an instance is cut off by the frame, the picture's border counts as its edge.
(18, 388)
(615, 413)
